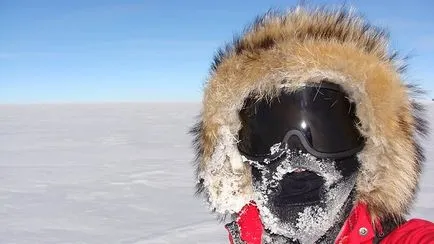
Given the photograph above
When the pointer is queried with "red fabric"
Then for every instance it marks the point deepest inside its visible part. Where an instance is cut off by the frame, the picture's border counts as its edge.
(250, 224)
(413, 231)
(358, 220)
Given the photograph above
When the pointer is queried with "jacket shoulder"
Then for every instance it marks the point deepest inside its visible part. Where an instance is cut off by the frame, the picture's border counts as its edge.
(413, 231)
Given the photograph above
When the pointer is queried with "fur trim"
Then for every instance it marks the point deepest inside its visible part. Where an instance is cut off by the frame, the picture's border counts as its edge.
(285, 51)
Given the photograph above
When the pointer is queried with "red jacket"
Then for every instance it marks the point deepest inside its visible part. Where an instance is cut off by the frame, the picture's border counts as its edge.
(356, 229)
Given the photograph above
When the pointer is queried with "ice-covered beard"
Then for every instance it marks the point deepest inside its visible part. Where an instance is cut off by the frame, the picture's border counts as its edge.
(309, 218)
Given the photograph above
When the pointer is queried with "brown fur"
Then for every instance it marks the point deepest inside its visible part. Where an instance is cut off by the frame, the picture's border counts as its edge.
(303, 46)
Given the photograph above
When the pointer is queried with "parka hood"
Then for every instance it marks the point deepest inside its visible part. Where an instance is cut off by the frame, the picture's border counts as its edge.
(286, 51)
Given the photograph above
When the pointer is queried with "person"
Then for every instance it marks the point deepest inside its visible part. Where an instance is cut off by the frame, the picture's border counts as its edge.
(308, 134)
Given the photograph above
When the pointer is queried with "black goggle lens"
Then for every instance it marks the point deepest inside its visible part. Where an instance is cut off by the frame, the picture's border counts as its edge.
(322, 116)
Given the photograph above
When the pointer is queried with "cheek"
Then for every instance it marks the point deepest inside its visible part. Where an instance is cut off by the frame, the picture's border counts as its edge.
(347, 166)
(256, 174)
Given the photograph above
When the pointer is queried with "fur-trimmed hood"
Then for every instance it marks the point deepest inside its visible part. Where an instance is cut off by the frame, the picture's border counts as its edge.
(293, 48)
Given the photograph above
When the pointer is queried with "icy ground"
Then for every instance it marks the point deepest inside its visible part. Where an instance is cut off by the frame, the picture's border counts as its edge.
(112, 173)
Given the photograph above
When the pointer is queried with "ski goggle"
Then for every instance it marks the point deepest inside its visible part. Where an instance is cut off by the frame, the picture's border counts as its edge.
(318, 119)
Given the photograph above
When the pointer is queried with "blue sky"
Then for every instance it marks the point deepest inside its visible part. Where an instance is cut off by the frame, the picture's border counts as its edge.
(105, 50)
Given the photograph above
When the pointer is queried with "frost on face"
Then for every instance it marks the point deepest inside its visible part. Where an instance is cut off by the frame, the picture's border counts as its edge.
(307, 223)
(275, 148)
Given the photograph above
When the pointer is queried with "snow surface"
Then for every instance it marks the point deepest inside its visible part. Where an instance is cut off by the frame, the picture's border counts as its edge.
(113, 173)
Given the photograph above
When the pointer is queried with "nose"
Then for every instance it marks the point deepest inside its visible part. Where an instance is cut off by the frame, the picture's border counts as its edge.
(294, 144)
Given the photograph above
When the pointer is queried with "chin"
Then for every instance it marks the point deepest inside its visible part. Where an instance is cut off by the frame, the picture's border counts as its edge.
(298, 202)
